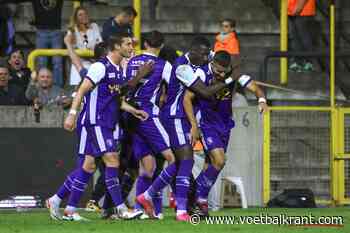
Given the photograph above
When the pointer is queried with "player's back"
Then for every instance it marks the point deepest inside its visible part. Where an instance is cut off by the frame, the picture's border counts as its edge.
(102, 105)
(148, 92)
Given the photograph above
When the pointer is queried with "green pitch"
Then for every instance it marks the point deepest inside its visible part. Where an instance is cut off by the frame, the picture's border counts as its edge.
(39, 222)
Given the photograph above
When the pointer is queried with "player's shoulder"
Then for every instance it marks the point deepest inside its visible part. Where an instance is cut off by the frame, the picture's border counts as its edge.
(182, 60)
(98, 65)
(138, 59)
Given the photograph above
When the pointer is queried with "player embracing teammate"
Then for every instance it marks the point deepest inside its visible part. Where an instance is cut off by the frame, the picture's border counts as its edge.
(169, 130)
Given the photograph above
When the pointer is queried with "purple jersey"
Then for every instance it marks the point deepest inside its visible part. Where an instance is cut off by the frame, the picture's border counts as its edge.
(217, 112)
(101, 103)
(148, 91)
(180, 79)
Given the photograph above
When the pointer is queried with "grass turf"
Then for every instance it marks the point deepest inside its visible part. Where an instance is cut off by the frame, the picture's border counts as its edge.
(39, 222)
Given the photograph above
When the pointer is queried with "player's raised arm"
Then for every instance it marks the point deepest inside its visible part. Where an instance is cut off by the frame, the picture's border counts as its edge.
(94, 75)
(75, 59)
(188, 106)
(251, 85)
(186, 75)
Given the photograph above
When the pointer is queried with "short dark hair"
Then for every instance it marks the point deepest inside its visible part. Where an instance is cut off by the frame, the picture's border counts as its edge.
(155, 39)
(3, 63)
(100, 50)
(129, 10)
(223, 58)
(232, 22)
(200, 41)
(15, 50)
(168, 53)
(116, 38)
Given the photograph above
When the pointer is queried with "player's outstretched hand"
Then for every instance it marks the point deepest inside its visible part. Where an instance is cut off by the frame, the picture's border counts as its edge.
(140, 114)
(69, 123)
(194, 135)
(263, 107)
(146, 68)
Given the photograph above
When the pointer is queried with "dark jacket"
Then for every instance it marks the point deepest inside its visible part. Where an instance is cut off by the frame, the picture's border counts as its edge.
(12, 95)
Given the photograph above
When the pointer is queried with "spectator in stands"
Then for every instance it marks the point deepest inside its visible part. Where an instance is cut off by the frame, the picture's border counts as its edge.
(19, 73)
(10, 94)
(48, 17)
(227, 38)
(7, 30)
(153, 9)
(42, 91)
(86, 35)
(120, 23)
(300, 15)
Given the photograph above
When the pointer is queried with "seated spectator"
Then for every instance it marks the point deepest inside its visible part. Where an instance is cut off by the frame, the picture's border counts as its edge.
(10, 94)
(86, 35)
(19, 73)
(227, 39)
(120, 23)
(42, 91)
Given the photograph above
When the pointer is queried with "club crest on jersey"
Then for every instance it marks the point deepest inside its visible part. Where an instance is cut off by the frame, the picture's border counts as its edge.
(109, 142)
(111, 75)
(224, 94)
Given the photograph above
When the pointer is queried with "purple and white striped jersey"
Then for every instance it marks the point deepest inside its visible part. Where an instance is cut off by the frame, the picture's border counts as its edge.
(148, 91)
(182, 77)
(101, 106)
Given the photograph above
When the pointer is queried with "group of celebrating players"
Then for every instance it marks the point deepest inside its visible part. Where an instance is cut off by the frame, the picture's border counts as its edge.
(153, 108)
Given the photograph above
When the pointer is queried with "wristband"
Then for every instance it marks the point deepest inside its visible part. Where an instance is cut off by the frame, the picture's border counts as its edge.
(262, 100)
(229, 80)
(73, 112)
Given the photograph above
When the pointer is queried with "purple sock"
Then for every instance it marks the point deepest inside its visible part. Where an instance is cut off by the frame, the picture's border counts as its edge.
(205, 181)
(158, 203)
(79, 184)
(112, 184)
(107, 202)
(142, 184)
(183, 183)
(162, 180)
(66, 187)
(127, 183)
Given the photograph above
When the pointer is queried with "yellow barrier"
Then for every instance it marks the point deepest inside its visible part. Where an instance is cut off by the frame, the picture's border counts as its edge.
(76, 4)
(63, 52)
(337, 118)
(137, 23)
(284, 41)
(54, 52)
(332, 52)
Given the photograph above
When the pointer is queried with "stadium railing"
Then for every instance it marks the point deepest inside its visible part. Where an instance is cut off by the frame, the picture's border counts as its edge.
(307, 147)
(54, 52)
